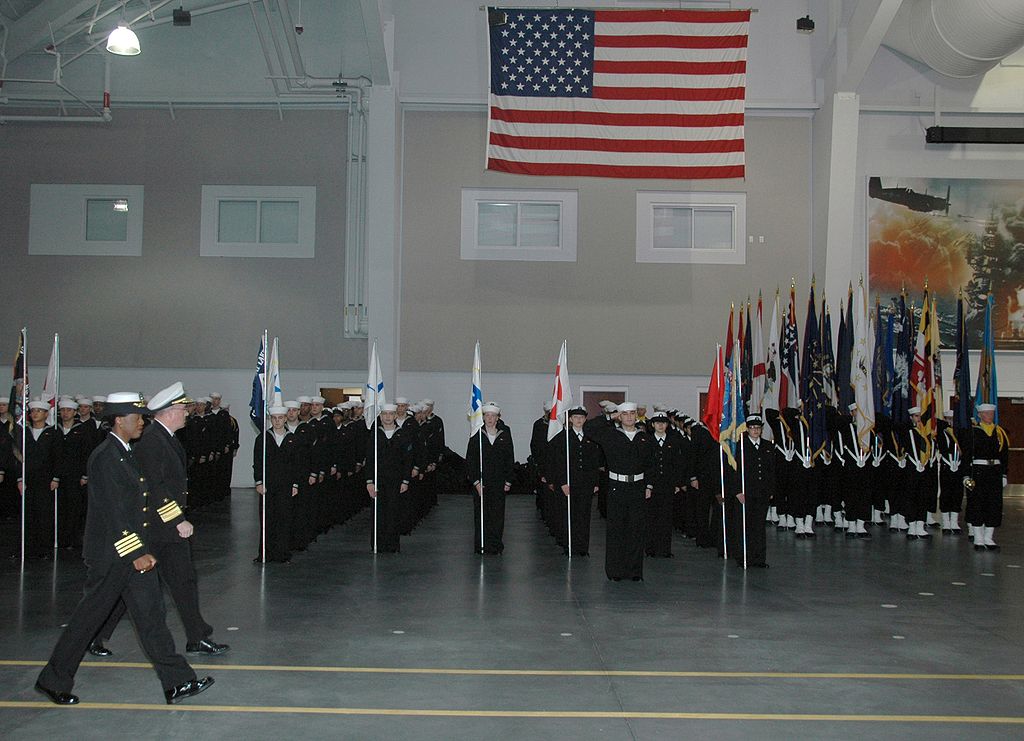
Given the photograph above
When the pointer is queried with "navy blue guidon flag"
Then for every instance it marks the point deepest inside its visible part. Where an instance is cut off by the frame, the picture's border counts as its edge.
(617, 93)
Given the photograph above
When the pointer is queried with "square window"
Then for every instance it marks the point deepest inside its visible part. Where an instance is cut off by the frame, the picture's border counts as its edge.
(540, 224)
(279, 222)
(673, 227)
(236, 221)
(496, 224)
(104, 222)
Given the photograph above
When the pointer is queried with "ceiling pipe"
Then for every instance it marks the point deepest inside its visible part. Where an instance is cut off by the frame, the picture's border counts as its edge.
(956, 38)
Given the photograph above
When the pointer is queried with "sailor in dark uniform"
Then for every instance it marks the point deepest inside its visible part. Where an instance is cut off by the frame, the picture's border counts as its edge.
(75, 447)
(627, 451)
(706, 481)
(394, 470)
(757, 486)
(988, 448)
(857, 476)
(8, 464)
(162, 460)
(584, 461)
(663, 479)
(41, 456)
(277, 484)
(950, 456)
(920, 479)
(490, 462)
(120, 565)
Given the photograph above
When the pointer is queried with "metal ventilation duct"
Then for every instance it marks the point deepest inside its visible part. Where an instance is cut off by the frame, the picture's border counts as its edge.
(957, 38)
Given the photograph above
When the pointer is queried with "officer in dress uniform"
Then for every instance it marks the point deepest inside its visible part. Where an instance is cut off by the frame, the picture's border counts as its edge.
(627, 452)
(757, 486)
(988, 448)
(584, 462)
(949, 456)
(161, 457)
(120, 565)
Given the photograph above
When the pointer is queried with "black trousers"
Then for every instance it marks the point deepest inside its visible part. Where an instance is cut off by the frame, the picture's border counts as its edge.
(756, 510)
(70, 515)
(624, 552)
(857, 486)
(658, 525)
(38, 515)
(581, 497)
(494, 518)
(176, 572)
(105, 584)
(388, 516)
(279, 524)
(951, 494)
(985, 503)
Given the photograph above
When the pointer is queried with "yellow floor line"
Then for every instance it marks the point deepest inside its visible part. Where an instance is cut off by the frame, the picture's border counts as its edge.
(547, 672)
(597, 714)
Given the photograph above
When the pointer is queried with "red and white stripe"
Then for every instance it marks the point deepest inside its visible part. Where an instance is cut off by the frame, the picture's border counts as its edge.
(668, 102)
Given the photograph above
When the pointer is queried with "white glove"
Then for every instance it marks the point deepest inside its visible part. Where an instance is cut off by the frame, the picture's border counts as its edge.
(1004, 481)
(902, 462)
(953, 466)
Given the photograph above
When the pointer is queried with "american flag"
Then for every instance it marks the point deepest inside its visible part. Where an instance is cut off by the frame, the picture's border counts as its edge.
(789, 357)
(617, 93)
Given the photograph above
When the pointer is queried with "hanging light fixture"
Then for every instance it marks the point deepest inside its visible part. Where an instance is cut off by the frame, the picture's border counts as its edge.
(123, 41)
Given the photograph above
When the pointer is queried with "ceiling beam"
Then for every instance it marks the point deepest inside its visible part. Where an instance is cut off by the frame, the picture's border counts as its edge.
(868, 25)
(32, 30)
(373, 26)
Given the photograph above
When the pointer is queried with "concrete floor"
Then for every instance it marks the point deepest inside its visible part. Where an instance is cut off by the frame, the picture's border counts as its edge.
(437, 642)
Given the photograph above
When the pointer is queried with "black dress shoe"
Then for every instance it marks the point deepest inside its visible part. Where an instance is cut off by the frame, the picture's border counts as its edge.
(206, 646)
(58, 698)
(189, 689)
(979, 547)
(96, 648)
(863, 536)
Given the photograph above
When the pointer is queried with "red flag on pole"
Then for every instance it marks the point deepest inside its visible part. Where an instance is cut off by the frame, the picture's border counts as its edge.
(561, 395)
(716, 397)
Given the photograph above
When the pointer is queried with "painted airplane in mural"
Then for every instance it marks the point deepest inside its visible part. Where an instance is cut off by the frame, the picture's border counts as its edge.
(911, 199)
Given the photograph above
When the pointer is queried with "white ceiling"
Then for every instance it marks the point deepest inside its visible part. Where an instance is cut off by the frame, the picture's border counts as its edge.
(218, 59)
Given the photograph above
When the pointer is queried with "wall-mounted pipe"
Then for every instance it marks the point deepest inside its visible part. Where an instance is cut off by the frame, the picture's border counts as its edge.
(957, 38)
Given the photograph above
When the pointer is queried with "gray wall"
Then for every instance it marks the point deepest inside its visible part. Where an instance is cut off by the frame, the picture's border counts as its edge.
(169, 307)
(619, 316)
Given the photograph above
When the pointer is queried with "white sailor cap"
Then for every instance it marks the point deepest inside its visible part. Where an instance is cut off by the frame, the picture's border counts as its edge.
(277, 411)
(914, 410)
(84, 401)
(401, 400)
(225, 407)
(627, 406)
(417, 408)
(99, 397)
(389, 407)
(852, 407)
(291, 405)
(318, 400)
(305, 399)
(356, 402)
(215, 395)
(547, 406)
(604, 402)
(164, 398)
(986, 407)
(947, 413)
(203, 400)
(37, 404)
(611, 408)
(67, 404)
(490, 407)
(428, 402)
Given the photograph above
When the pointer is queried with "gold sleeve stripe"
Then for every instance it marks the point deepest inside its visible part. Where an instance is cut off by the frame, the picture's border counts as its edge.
(169, 511)
(127, 544)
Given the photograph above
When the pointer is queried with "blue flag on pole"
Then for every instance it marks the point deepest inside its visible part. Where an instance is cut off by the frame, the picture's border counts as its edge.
(988, 391)
(256, 403)
(963, 413)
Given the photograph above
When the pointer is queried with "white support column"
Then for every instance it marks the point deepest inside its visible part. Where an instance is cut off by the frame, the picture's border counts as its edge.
(843, 263)
(383, 251)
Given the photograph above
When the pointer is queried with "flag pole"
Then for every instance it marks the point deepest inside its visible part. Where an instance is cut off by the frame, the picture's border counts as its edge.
(743, 479)
(480, 443)
(376, 416)
(56, 421)
(24, 422)
(266, 479)
(568, 481)
(721, 469)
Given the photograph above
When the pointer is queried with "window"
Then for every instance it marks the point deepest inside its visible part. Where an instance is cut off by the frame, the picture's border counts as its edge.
(258, 221)
(519, 225)
(85, 220)
(699, 227)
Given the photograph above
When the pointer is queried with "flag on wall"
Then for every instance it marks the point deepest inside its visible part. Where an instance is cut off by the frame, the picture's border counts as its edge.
(617, 93)
(561, 395)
